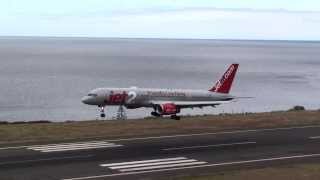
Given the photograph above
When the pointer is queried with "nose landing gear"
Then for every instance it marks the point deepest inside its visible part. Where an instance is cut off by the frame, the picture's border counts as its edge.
(102, 114)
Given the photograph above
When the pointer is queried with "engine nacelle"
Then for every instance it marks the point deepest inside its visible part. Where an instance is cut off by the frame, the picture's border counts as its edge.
(168, 109)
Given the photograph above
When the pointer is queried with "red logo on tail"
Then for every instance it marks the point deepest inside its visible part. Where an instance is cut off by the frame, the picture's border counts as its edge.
(224, 84)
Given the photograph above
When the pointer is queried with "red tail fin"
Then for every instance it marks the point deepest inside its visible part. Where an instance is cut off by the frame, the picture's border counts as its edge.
(224, 84)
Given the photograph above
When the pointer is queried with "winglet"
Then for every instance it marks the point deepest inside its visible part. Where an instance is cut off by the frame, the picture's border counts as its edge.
(224, 84)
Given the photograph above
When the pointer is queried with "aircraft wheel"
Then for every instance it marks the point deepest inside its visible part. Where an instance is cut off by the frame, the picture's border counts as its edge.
(102, 114)
(155, 114)
(175, 117)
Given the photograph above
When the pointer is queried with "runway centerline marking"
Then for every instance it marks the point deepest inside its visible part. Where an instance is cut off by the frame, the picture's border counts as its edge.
(212, 145)
(152, 164)
(198, 166)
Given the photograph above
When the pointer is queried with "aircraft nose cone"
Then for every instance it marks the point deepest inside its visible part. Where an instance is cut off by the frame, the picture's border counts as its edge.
(86, 100)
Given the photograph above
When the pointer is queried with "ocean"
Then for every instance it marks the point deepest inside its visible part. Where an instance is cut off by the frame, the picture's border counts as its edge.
(43, 78)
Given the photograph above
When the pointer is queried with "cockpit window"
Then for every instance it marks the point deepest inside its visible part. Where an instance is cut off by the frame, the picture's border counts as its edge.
(92, 95)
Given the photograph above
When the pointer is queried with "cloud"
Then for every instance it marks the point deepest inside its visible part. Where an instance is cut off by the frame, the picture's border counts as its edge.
(204, 23)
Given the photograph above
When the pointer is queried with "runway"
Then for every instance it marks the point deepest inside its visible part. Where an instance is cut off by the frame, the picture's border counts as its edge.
(161, 156)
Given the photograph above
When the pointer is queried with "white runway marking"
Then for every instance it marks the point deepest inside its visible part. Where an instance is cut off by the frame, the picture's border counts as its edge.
(152, 164)
(73, 146)
(145, 161)
(212, 145)
(314, 137)
(198, 166)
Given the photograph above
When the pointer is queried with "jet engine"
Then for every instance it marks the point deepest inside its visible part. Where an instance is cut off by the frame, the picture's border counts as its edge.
(168, 109)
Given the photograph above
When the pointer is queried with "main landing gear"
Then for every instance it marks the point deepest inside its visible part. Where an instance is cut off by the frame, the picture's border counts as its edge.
(102, 114)
(175, 117)
(155, 114)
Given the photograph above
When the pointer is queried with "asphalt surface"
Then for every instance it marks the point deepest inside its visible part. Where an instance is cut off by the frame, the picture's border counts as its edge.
(160, 157)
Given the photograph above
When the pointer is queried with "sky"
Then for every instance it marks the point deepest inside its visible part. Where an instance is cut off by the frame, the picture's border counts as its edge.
(195, 19)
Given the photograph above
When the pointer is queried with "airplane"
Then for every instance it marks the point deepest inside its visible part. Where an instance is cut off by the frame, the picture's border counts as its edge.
(165, 102)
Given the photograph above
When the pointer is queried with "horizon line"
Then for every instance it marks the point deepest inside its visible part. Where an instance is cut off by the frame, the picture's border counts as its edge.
(156, 38)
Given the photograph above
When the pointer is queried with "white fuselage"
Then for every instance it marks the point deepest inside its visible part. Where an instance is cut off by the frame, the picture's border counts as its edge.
(142, 97)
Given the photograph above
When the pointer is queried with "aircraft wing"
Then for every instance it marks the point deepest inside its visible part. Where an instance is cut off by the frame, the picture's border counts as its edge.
(190, 104)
